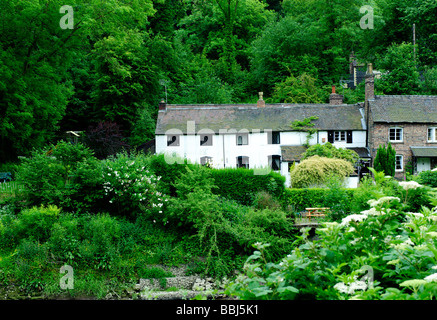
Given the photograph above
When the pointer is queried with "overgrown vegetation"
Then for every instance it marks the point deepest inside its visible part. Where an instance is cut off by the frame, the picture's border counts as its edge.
(386, 250)
(116, 218)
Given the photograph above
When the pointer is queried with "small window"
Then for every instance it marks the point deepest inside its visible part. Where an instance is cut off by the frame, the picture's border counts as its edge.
(275, 162)
(206, 161)
(206, 139)
(242, 139)
(396, 134)
(273, 137)
(243, 162)
(432, 134)
(399, 163)
(339, 136)
(173, 140)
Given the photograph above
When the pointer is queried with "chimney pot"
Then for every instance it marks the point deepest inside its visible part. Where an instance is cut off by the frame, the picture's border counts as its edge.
(335, 98)
(261, 103)
(162, 105)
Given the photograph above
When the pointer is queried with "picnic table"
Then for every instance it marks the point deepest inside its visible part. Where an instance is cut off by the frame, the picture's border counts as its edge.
(315, 212)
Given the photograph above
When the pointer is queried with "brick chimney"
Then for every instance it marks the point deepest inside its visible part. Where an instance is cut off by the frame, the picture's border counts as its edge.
(335, 98)
(369, 83)
(261, 103)
(162, 105)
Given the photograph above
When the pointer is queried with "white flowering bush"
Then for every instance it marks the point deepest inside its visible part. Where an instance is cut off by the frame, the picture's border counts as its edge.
(384, 252)
(131, 187)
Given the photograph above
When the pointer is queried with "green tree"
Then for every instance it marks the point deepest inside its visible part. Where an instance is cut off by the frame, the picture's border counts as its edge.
(385, 160)
(400, 74)
(301, 89)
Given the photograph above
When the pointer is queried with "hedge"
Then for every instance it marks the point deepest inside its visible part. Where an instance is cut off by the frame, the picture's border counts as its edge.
(237, 184)
(300, 199)
(242, 184)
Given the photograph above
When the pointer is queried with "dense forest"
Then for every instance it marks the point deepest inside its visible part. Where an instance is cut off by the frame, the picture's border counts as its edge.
(119, 58)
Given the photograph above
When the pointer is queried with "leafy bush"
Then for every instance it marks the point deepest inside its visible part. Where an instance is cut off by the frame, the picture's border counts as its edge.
(299, 199)
(428, 178)
(384, 252)
(328, 150)
(130, 186)
(65, 175)
(169, 173)
(242, 184)
(316, 171)
(36, 223)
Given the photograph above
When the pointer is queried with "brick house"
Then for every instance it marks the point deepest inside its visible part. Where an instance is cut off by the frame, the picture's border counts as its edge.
(408, 122)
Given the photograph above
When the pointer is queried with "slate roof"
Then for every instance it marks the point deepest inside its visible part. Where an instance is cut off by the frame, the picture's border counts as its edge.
(404, 109)
(427, 152)
(276, 117)
(292, 153)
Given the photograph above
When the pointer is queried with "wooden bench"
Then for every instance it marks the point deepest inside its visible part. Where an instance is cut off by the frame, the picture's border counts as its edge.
(315, 212)
(5, 176)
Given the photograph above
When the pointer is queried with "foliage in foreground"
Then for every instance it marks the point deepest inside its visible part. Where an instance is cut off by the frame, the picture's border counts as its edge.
(385, 252)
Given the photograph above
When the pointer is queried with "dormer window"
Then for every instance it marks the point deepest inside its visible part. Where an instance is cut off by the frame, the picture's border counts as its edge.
(242, 139)
(206, 140)
(173, 140)
(273, 137)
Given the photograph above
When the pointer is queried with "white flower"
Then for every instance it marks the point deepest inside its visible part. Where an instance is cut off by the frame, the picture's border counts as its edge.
(374, 203)
(353, 217)
(371, 212)
(434, 267)
(342, 287)
(409, 185)
(431, 278)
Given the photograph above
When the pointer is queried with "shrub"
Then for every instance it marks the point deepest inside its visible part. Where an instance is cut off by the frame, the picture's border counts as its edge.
(242, 184)
(264, 200)
(316, 170)
(130, 186)
(381, 253)
(65, 175)
(299, 199)
(328, 150)
(36, 223)
(428, 178)
(169, 173)
(385, 159)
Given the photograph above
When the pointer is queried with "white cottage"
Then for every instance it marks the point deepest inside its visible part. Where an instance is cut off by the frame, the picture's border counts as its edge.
(258, 135)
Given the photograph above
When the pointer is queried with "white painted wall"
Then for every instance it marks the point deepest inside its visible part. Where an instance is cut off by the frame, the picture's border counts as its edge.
(225, 150)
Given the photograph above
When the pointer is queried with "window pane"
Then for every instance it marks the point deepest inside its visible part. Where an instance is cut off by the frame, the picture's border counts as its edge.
(399, 164)
(395, 134)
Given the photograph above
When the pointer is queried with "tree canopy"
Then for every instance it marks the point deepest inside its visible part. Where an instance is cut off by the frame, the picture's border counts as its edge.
(120, 58)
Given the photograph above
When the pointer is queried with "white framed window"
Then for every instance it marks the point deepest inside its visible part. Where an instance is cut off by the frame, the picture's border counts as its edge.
(432, 134)
(399, 163)
(273, 137)
(173, 140)
(206, 139)
(242, 162)
(396, 134)
(275, 162)
(242, 139)
(339, 136)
